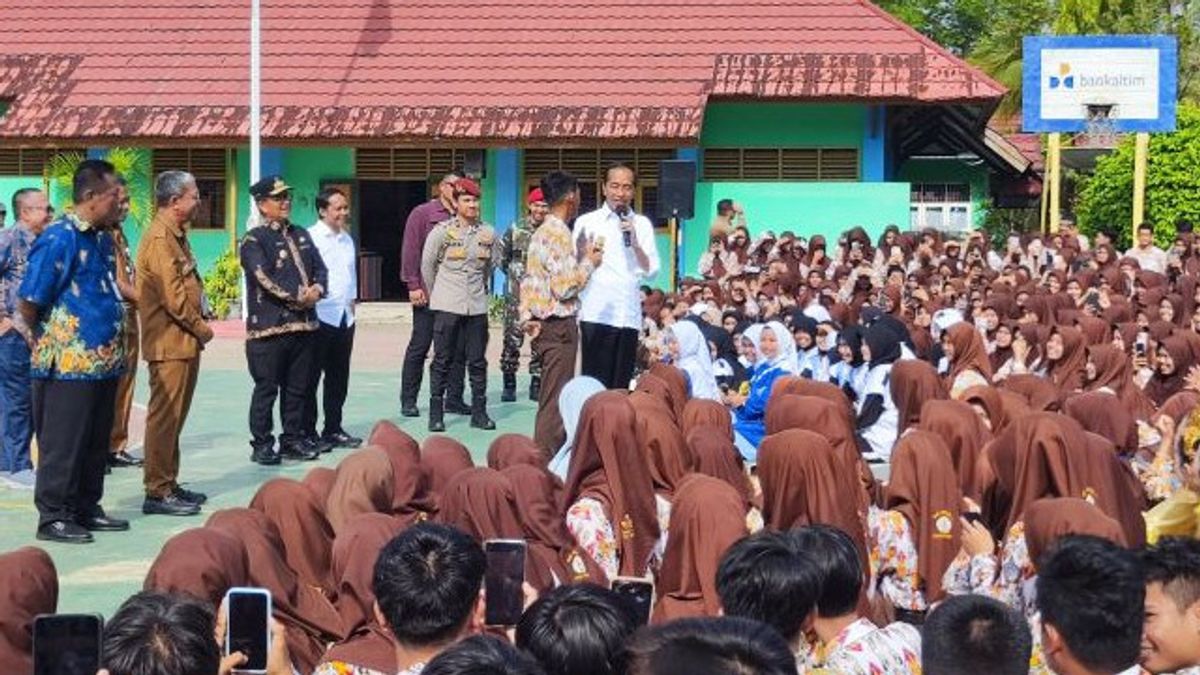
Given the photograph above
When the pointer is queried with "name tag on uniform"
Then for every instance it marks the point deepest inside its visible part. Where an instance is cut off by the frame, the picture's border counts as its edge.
(456, 252)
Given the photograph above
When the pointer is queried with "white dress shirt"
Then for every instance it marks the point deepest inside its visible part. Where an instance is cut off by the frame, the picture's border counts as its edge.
(611, 296)
(337, 250)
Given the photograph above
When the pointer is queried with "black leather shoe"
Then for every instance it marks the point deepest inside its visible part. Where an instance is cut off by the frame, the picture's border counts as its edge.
(341, 439)
(300, 450)
(103, 524)
(409, 410)
(171, 505)
(197, 498)
(436, 424)
(319, 444)
(457, 407)
(122, 459)
(265, 456)
(64, 532)
(535, 388)
(508, 395)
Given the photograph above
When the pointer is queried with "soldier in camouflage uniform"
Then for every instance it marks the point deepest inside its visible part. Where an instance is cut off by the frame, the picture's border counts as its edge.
(512, 260)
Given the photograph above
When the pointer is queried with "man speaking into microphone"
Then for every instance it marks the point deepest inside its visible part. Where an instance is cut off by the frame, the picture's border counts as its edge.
(610, 312)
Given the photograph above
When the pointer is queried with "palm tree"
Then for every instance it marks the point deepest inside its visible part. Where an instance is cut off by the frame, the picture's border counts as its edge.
(131, 163)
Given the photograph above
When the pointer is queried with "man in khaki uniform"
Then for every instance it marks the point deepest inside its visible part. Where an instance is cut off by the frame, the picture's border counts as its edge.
(173, 334)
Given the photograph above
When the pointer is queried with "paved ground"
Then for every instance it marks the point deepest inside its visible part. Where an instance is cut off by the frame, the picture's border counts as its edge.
(99, 576)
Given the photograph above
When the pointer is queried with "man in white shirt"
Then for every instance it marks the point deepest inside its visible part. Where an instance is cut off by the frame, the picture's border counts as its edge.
(1149, 256)
(611, 311)
(335, 337)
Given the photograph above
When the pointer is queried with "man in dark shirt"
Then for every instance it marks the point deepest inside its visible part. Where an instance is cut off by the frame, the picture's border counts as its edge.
(285, 277)
(420, 223)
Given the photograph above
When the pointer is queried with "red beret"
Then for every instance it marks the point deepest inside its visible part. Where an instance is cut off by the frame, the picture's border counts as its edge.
(466, 186)
(535, 196)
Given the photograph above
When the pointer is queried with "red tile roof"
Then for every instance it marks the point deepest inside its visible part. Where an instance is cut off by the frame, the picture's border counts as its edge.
(422, 70)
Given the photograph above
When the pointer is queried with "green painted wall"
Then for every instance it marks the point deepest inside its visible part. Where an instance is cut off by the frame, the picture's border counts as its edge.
(783, 125)
(951, 171)
(9, 185)
(803, 208)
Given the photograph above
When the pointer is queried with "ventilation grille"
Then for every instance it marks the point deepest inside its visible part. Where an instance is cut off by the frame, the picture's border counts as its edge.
(780, 164)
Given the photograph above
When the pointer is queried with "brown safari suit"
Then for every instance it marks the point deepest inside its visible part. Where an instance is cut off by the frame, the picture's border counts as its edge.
(173, 334)
(120, 430)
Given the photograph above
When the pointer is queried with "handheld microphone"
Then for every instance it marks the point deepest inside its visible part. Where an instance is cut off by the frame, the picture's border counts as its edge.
(623, 212)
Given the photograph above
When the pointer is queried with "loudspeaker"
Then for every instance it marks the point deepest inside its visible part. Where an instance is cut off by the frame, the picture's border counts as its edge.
(676, 189)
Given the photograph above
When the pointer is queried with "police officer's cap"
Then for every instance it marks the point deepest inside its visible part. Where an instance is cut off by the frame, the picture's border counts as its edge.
(271, 186)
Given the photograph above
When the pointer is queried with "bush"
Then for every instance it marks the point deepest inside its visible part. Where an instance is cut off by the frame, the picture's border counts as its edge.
(1172, 184)
(223, 284)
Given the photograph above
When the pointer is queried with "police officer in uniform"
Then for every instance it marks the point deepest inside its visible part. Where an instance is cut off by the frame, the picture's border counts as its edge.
(513, 246)
(285, 277)
(456, 265)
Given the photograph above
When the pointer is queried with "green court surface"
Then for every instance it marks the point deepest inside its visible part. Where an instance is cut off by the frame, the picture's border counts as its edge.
(99, 576)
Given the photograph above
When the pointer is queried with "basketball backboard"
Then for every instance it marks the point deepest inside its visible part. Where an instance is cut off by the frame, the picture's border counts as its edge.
(1114, 83)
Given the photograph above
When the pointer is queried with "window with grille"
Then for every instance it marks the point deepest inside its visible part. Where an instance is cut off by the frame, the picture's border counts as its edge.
(588, 165)
(780, 164)
(30, 161)
(208, 166)
(408, 163)
(942, 206)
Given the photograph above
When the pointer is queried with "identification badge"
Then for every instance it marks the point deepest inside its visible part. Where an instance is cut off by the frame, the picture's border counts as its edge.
(456, 253)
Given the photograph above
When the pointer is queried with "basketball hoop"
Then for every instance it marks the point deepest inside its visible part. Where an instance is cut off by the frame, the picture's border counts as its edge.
(1099, 126)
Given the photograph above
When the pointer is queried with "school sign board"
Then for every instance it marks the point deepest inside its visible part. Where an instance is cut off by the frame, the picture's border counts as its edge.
(1135, 75)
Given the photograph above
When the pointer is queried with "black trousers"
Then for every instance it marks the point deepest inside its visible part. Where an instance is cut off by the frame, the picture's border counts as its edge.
(609, 353)
(281, 366)
(72, 419)
(331, 364)
(414, 360)
(449, 332)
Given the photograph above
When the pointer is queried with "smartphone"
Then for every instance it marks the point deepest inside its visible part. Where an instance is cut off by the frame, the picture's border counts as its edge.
(1140, 348)
(503, 581)
(638, 595)
(248, 628)
(972, 517)
(67, 644)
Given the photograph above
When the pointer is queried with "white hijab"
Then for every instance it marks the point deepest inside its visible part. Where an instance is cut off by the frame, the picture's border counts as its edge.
(695, 360)
(574, 394)
(786, 358)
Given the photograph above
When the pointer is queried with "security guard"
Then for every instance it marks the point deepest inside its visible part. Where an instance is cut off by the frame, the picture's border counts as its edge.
(285, 277)
(456, 265)
(513, 246)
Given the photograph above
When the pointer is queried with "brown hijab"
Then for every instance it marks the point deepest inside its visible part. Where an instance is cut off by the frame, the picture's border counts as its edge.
(550, 544)
(481, 503)
(1000, 406)
(442, 458)
(1068, 372)
(357, 547)
(307, 535)
(511, 449)
(1179, 405)
(608, 466)
(659, 438)
(1114, 489)
(1096, 331)
(924, 489)
(707, 517)
(411, 498)
(823, 417)
(319, 480)
(388, 436)
(717, 456)
(677, 385)
(1048, 520)
(311, 620)
(803, 386)
(1102, 413)
(1113, 372)
(1040, 393)
(956, 423)
(969, 352)
(203, 563)
(28, 587)
(803, 480)
(363, 484)
(1040, 455)
(913, 383)
(1162, 387)
(705, 412)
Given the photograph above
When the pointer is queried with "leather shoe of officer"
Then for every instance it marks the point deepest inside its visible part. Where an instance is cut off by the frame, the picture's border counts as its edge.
(102, 523)
(265, 456)
(299, 450)
(341, 439)
(64, 532)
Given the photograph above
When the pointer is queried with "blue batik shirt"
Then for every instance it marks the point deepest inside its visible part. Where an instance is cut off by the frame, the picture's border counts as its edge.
(15, 242)
(69, 276)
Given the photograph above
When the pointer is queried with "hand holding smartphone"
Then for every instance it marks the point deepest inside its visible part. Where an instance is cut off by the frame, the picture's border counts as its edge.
(504, 581)
(67, 644)
(638, 595)
(248, 627)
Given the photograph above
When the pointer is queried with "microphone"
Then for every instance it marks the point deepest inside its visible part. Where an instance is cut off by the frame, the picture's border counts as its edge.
(623, 212)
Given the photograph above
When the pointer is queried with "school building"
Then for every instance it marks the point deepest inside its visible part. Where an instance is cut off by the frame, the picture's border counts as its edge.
(816, 114)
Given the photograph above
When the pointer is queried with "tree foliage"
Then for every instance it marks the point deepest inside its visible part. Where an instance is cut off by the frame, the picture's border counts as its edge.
(131, 163)
(1105, 199)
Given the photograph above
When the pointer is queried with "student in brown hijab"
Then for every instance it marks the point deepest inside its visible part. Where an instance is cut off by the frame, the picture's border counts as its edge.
(1096, 331)
(677, 383)
(442, 458)
(1048, 520)
(364, 484)
(717, 456)
(803, 386)
(307, 534)
(385, 434)
(668, 455)
(1174, 361)
(1041, 394)
(1102, 413)
(28, 587)
(608, 493)
(411, 498)
(1110, 371)
(1066, 353)
(367, 644)
(203, 563)
(823, 417)
(550, 544)
(480, 502)
(969, 365)
(703, 412)
(1114, 488)
(922, 505)
(319, 481)
(956, 423)
(803, 482)
(309, 617)
(1178, 406)
(512, 449)
(913, 383)
(708, 516)
(1040, 455)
